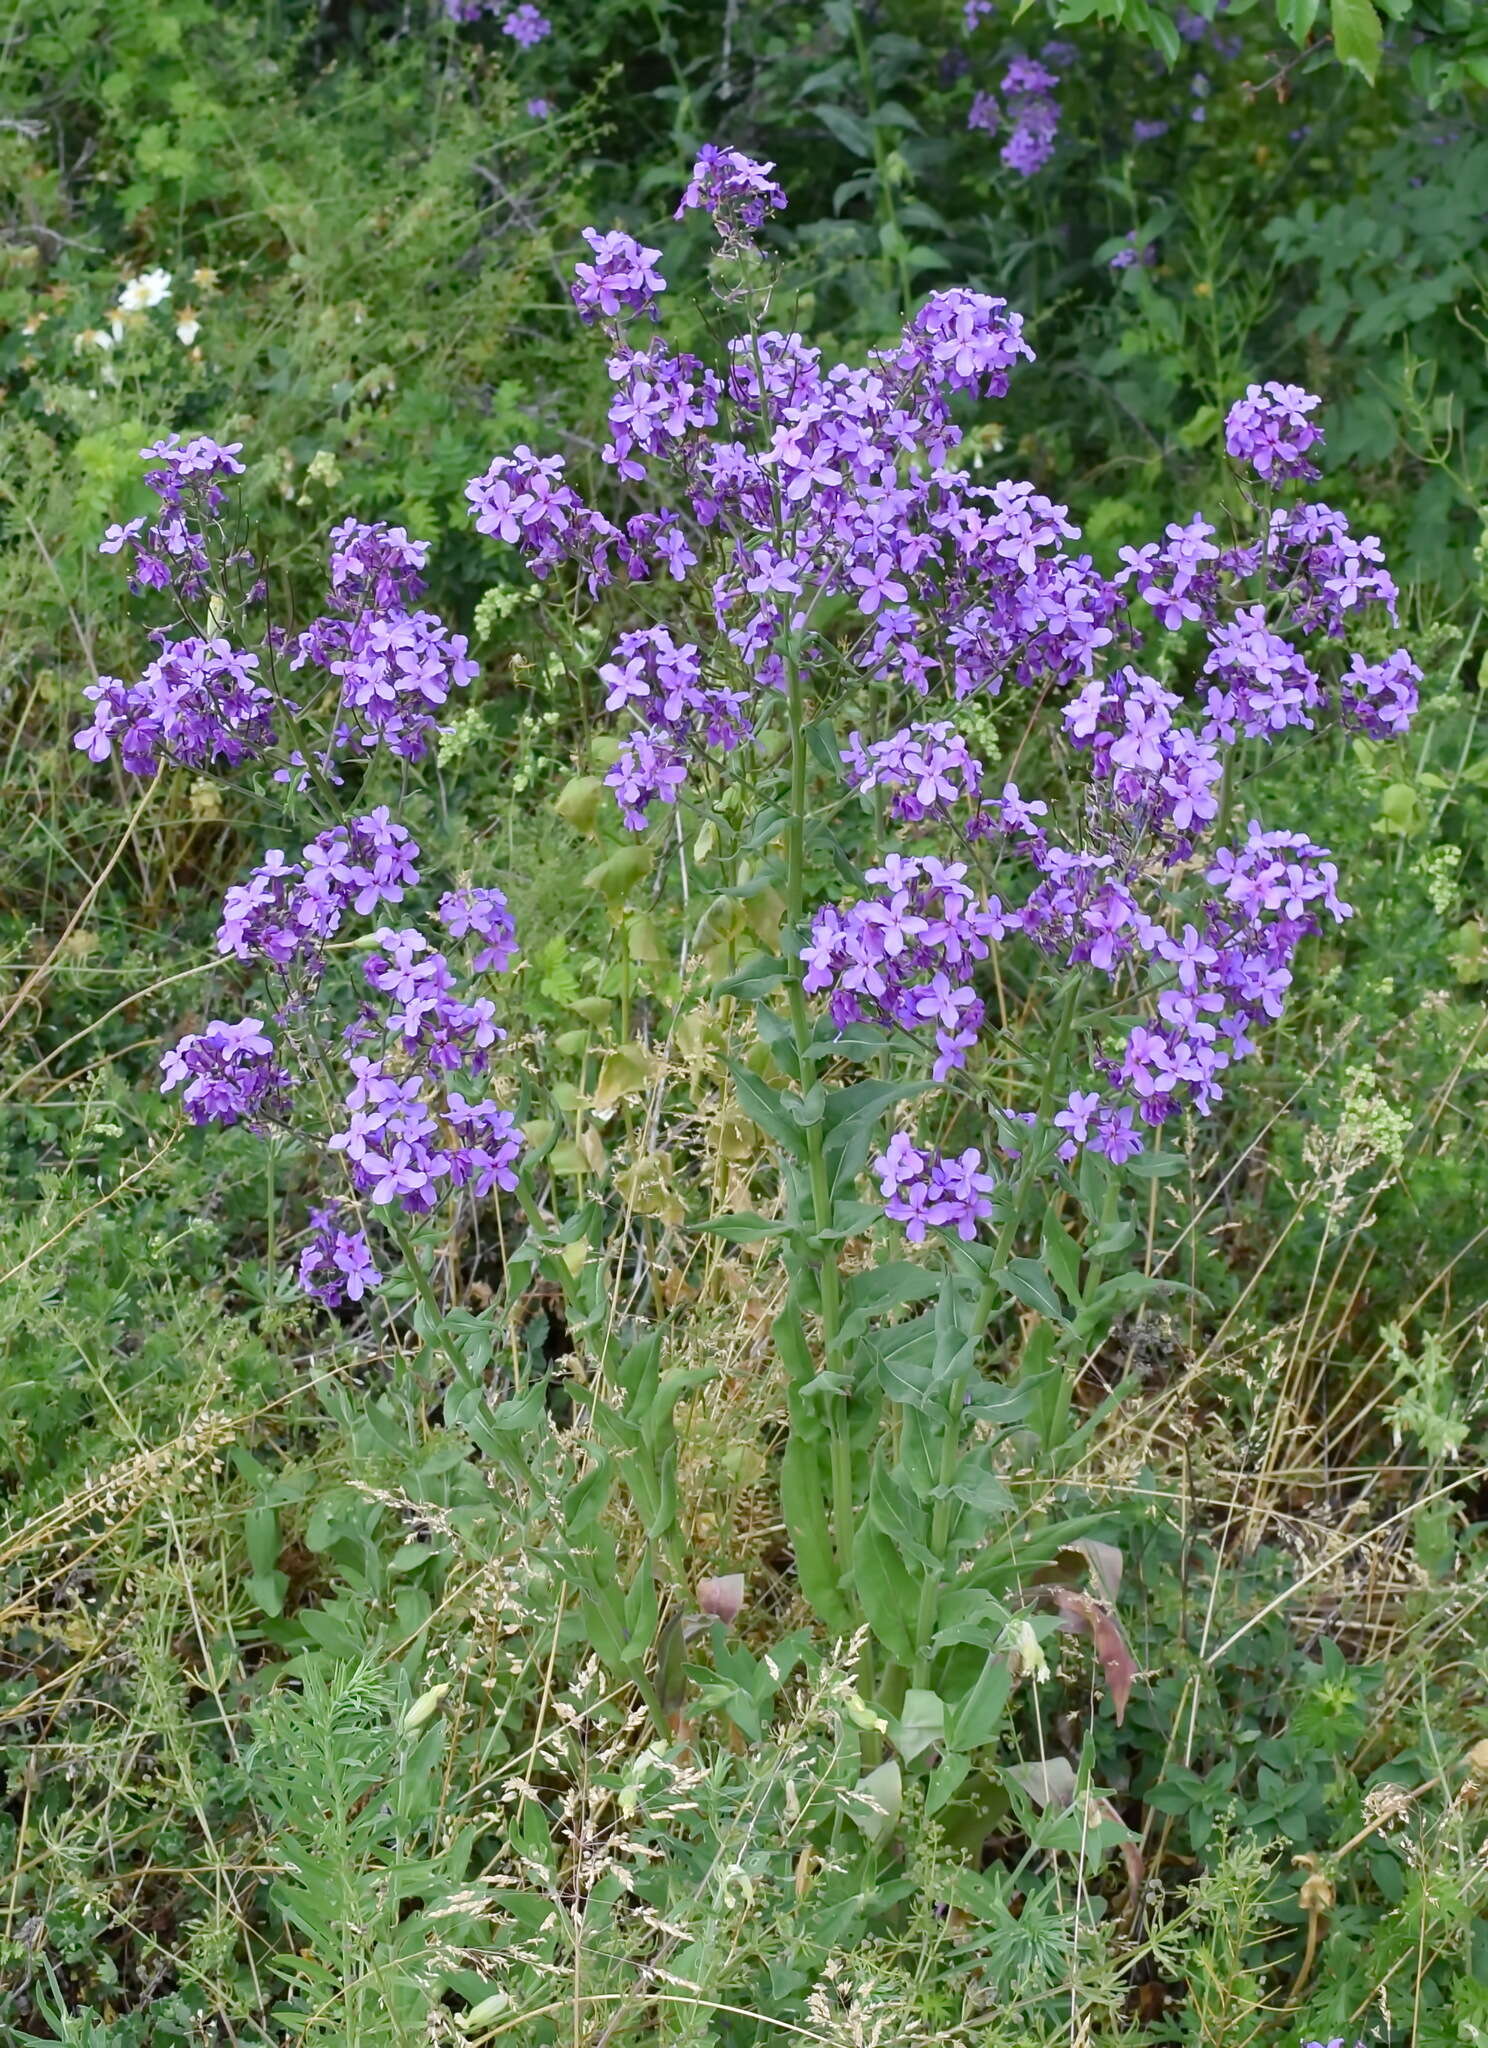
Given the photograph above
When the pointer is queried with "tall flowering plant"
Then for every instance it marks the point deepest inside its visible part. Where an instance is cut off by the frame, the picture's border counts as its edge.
(823, 604)
(819, 590)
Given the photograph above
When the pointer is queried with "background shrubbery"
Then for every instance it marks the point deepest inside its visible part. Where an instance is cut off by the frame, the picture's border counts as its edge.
(242, 1541)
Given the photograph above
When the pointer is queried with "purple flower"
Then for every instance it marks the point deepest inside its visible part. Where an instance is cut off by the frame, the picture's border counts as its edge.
(933, 1190)
(285, 912)
(481, 914)
(199, 703)
(733, 188)
(929, 765)
(227, 1074)
(1380, 698)
(623, 277)
(539, 109)
(336, 1266)
(1028, 110)
(1270, 430)
(526, 26)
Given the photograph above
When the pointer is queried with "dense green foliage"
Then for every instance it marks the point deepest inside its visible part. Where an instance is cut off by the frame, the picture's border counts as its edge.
(341, 1704)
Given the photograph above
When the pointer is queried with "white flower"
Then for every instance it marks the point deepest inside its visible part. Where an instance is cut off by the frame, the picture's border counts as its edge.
(144, 291)
(91, 337)
(188, 327)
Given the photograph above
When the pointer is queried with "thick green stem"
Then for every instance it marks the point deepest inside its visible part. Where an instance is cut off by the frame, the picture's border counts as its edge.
(828, 1277)
(1013, 1218)
(940, 1536)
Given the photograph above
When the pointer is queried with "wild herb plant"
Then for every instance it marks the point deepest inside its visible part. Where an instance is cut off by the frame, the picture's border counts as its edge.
(819, 566)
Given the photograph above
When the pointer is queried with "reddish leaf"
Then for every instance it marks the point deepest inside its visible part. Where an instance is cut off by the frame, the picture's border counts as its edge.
(1084, 1615)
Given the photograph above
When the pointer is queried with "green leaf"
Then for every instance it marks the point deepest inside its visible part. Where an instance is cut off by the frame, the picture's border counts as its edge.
(767, 1108)
(850, 129)
(1358, 35)
(920, 1724)
(1297, 17)
(741, 1228)
(804, 1491)
(875, 1802)
(1027, 1279)
(757, 977)
(888, 1592)
(880, 1288)
(976, 1719)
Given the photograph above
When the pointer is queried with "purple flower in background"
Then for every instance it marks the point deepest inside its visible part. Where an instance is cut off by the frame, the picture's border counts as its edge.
(1132, 252)
(539, 109)
(1270, 430)
(974, 12)
(1149, 131)
(336, 1266)
(227, 1074)
(1028, 109)
(526, 26)
(623, 278)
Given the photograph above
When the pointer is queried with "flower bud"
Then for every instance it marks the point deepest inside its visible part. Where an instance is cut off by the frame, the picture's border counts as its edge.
(424, 1708)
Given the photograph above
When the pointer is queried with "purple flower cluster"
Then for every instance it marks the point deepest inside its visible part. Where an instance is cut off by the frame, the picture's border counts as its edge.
(622, 279)
(822, 519)
(336, 1266)
(204, 704)
(1269, 429)
(227, 1074)
(1380, 698)
(526, 26)
(930, 767)
(426, 1016)
(733, 188)
(393, 667)
(286, 911)
(926, 1190)
(400, 1147)
(409, 1134)
(660, 684)
(171, 551)
(1028, 109)
(1132, 253)
(198, 704)
(482, 915)
(901, 958)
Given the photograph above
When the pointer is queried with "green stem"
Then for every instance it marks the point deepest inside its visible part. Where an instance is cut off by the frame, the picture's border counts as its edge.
(940, 1536)
(829, 1278)
(1012, 1220)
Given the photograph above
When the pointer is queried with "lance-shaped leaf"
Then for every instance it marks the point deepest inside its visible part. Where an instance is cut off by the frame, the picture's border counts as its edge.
(1083, 1615)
